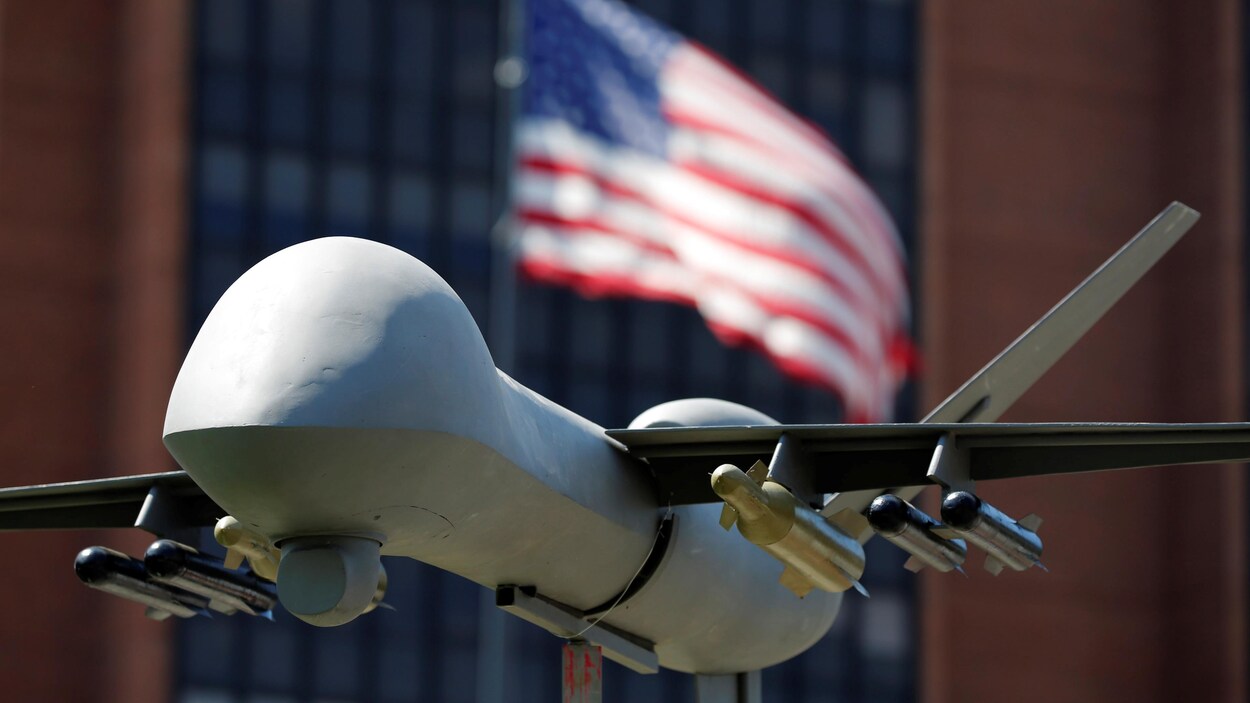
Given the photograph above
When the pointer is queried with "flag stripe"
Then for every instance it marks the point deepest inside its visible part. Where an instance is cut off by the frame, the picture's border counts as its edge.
(585, 247)
(696, 197)
(660, 232)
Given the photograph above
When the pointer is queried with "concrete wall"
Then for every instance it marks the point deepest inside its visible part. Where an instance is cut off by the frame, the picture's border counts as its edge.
(92, 206)
(1051, 132)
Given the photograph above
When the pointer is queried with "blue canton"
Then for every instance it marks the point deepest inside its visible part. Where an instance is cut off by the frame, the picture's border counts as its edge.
(596, 65)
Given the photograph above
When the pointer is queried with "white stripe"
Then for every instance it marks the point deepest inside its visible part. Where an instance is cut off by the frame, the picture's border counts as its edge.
(764, 276)
(837, 201)
(788, 338)
(590, 253)
(710, 92)
(708, 204)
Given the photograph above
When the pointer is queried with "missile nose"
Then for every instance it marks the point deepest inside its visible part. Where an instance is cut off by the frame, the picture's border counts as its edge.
(888, 514)
(960, 509)
(92, 564)
(165, 559)
(739, 491)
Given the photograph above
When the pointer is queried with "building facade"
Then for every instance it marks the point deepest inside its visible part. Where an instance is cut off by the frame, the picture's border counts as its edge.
(150, 151)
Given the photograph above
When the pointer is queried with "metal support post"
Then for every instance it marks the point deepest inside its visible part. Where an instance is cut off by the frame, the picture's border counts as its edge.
(583, 672)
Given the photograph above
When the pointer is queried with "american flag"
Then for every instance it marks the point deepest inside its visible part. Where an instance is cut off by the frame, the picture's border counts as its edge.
(648, 167)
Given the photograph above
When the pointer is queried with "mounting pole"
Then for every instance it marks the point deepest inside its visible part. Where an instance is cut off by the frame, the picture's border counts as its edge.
(746, 687)
(582, 680)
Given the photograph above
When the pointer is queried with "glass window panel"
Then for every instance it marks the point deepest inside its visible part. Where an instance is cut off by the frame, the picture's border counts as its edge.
(203, 639)
(224, 30)
(475, 46)
(649, 351)
(290, 33)
(712, 22)
(350, 116)
(273, 659)
(411, 202)
(826, 93)
(471, 211)
(399, 682)
(286, 182)
(411, 132)
(885, 626)
(533, 327)
(415, 40)
(223, 101)
(206, 695)
(591, 332)
(350, 192)
(473, 141)
(769, 20)
(334, 667)
(828, 24)
(289, 111)
(709, 359)
(887, 36)
(588, 397)
(350, 40)
(287, 188)
(884, 126)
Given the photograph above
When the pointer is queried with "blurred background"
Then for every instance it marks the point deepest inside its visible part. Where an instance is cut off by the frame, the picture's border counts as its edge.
(153, 150)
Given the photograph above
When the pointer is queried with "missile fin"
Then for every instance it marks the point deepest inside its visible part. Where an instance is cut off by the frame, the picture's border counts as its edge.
(1030, 522)
(944, 531)
(914, 565)
(850, 521)
(796, 582)
(1041, 566)
(234, 559)
(728, 516)
(154, 613)
(858, 586)
(993, 565)
(758, 472)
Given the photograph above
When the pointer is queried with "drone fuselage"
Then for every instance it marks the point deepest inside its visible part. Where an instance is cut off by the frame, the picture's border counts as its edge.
(341, 389)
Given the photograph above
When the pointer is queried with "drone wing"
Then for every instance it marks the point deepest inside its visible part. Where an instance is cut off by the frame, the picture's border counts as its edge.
(162, 503)
(876, 458)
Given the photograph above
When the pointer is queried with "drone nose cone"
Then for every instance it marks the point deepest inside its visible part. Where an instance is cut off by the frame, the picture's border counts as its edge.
(888, 514)
(961, 509)
(336, 332)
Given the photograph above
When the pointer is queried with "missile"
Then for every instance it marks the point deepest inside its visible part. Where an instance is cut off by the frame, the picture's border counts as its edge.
(1007, 542)
(817, 553)
(113, 572)
(240, 543)
(227, 591)
(912, 530)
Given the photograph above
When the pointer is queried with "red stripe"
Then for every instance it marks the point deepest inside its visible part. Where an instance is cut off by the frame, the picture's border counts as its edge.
(776, 308)
(863, 306)
(603, 285)
(831, 234)
(592, 223)
(866, 212)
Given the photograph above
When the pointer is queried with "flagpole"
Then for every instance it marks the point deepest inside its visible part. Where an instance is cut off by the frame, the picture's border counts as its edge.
(510, 72)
